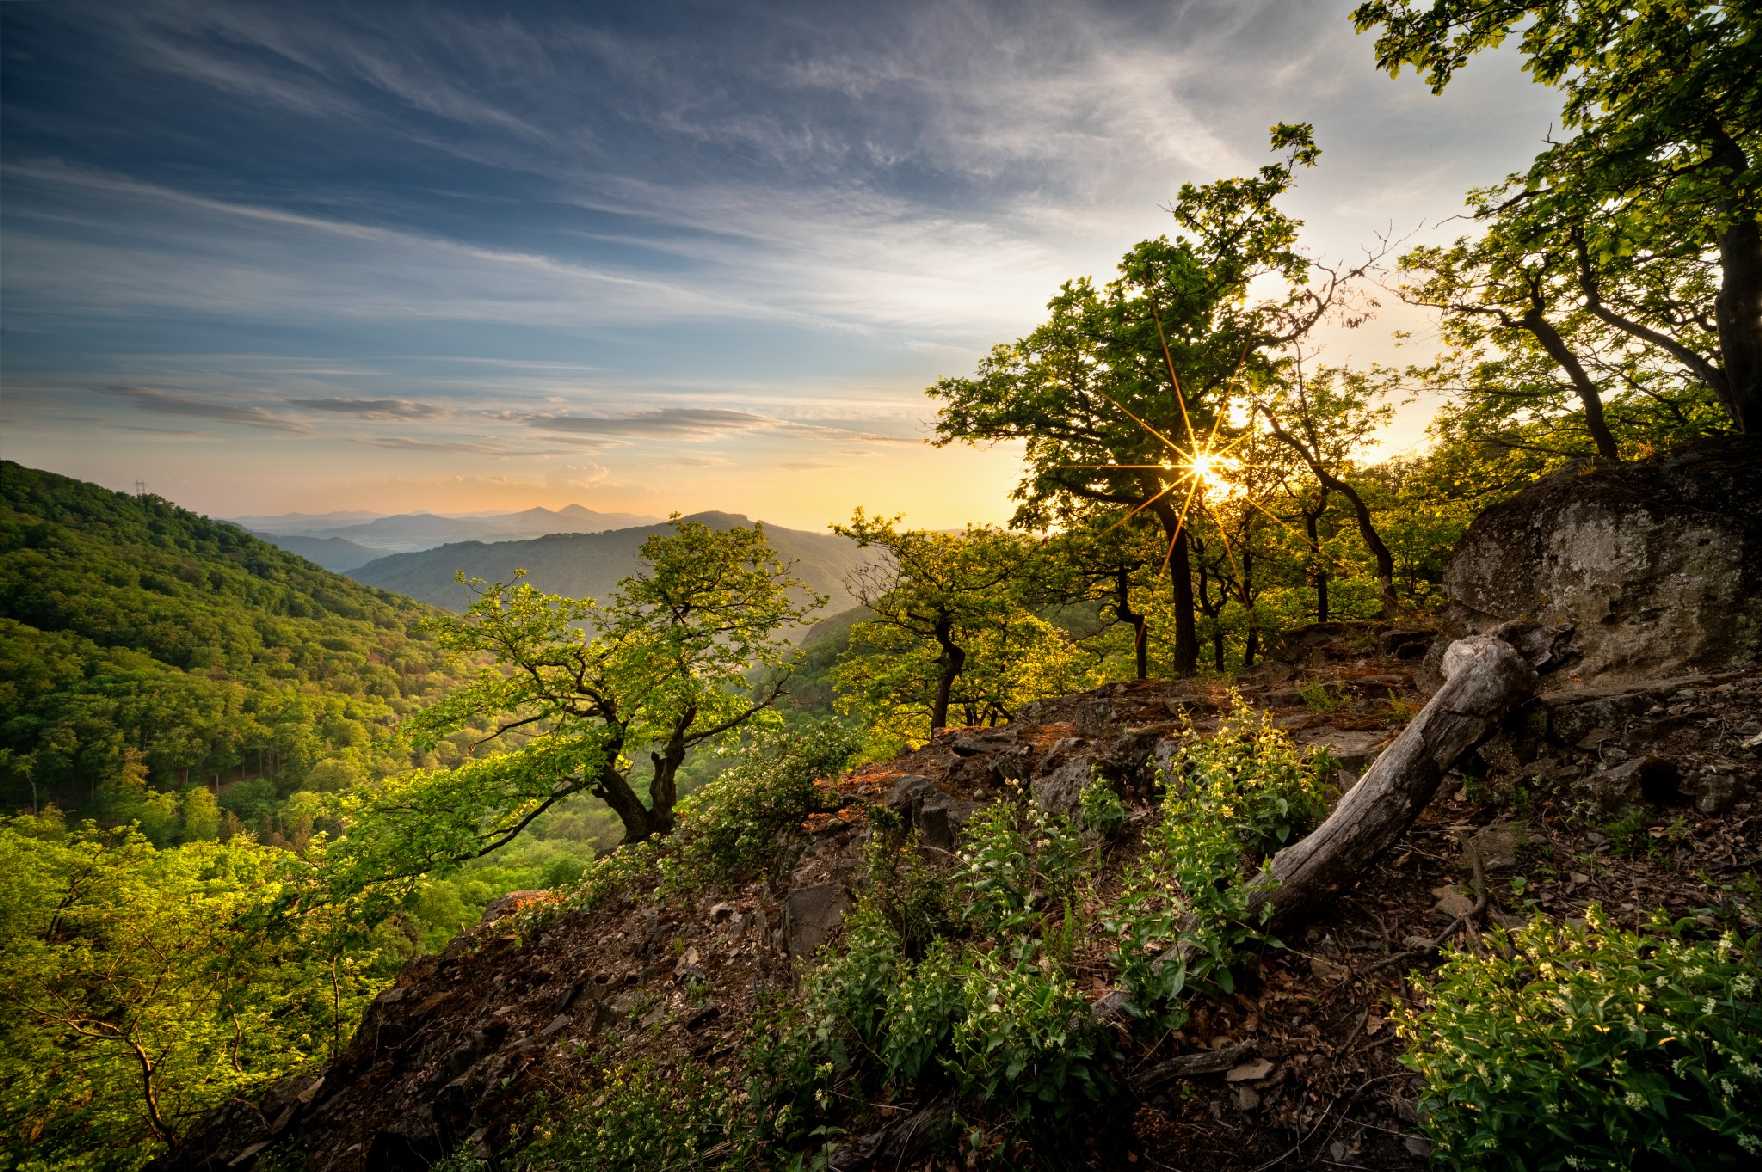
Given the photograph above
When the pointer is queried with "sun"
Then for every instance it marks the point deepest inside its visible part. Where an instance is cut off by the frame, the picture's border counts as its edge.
(1212, 471)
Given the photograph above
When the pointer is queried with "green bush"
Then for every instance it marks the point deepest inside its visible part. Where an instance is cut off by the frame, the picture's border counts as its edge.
(846, 996)
(1233, 796)
(1015, 861)
(1100, 810)
(1569, 1046)
(729, 828)
(1025, 1041)
(641, 1116)
(922, 1010)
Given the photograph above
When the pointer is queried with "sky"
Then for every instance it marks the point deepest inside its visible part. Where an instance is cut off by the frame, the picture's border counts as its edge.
(648, 257)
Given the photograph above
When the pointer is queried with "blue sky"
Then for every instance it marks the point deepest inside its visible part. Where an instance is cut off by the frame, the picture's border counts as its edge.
(648, 257)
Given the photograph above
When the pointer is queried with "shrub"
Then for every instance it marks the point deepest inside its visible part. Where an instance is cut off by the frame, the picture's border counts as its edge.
(1015, 860)
(640, 1116)
(921, 1014)
(1570, 1046)
(729, 829)
(1240, 793)
(1100, 810)
(1025, 1041)
(846, 996)
(907, 889)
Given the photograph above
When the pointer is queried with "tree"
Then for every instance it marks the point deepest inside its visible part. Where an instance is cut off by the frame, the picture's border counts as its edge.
(1097, 560)
(1324, 420)
(1663, 162)
(141, 988)
(1492, 289)
(574, 692)
(1115, 392)
(938, 593)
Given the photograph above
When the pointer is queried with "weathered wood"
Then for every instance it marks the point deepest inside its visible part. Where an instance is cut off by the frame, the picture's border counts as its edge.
(1484, 679)
(1191, 1065)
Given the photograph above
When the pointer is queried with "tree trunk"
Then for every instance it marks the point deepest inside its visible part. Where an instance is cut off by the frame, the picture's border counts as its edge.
(1738, 312)
(1181, 582)
(1485, 679)
(1588, 396)
(615, 791)
(664, 788)
(1124, 613)
(1312, 530)
(952, 659)
(1737, 309)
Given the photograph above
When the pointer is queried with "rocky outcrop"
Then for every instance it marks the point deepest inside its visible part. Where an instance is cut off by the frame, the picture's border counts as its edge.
(1656, 567)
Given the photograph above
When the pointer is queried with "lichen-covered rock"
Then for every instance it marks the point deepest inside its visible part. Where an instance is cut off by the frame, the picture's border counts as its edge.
(1656, 566)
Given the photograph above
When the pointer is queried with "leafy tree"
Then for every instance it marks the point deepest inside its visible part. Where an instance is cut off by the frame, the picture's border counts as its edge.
(1096, 560)
(1495, 290)
(576, 691)
(1115, 392)
(1324, 419)
(932, 600)
(1662, 165)
(141, 988)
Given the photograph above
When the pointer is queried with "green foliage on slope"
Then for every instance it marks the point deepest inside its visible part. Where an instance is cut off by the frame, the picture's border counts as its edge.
(145, 648)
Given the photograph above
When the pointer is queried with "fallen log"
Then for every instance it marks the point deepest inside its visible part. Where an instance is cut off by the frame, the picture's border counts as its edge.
(1485, 678)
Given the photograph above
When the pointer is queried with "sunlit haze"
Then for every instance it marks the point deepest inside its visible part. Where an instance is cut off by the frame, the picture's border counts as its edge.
(645, 258)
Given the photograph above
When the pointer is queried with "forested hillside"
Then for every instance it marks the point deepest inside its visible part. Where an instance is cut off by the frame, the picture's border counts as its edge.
(589, 565)
(145, 650)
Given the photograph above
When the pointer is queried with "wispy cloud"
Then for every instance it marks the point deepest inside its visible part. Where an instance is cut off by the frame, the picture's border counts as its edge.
(673, 423)
(372, 408)
(172, 403)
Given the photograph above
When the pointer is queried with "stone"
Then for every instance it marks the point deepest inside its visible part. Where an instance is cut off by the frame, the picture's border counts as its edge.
(1650, 779)
(811, 914)
(1354, 750)
(1453, 901)
(1060, 791)
(1655, 565)
(510, 903)
(1250, 1071)
(935, 828)
(1718, 790)
(1497, 845)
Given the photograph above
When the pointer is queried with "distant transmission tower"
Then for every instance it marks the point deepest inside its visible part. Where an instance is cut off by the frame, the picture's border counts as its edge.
(141, 489)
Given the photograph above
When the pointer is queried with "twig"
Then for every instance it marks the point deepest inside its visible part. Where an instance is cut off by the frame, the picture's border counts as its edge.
(1471, 916)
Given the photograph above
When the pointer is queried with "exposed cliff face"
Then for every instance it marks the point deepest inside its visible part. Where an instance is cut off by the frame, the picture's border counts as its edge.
(1655, 566)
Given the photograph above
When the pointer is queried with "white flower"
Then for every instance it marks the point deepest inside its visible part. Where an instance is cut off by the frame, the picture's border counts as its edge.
(1635, 1100)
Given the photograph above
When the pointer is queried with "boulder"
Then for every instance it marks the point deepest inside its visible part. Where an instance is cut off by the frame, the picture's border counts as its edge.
(811, 914)
(1655, 566)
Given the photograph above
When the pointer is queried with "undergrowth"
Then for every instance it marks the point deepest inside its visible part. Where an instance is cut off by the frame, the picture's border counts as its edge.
(1183, 914)
(958, 983)
(1569, 1046)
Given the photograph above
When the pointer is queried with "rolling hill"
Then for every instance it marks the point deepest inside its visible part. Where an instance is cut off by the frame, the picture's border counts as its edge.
(590, 564)
(142, 645)
(336, 554)
(412, 532)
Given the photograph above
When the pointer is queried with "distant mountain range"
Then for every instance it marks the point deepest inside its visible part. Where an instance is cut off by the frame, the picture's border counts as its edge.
(344, 541)
(591, 564)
